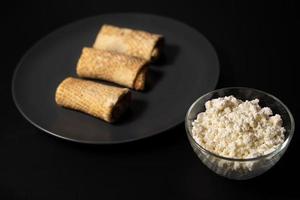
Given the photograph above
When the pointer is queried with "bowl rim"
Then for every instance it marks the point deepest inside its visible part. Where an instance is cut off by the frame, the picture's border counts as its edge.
(273, 153)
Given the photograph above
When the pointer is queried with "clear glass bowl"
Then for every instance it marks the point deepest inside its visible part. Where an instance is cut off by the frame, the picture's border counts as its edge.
(240, 169)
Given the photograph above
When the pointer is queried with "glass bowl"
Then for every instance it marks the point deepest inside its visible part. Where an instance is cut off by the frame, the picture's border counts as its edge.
(233, 168)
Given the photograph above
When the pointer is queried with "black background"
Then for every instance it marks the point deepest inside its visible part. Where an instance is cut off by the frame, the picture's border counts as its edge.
(256, 46)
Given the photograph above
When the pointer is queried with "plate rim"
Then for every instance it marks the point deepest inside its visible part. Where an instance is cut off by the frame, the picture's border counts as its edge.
(38, 42)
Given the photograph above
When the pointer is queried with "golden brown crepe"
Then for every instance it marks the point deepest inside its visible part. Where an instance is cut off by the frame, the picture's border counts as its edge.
(128, 41)
(111, 66)
(99, 100)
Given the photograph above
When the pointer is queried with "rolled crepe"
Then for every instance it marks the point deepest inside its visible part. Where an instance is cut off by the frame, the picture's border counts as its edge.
(99, 100)
(131, 42)
(111, 66)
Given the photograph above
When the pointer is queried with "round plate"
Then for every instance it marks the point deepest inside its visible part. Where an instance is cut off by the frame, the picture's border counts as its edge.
(188, 68)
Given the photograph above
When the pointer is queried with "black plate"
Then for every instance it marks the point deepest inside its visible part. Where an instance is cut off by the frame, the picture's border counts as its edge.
(188, 69)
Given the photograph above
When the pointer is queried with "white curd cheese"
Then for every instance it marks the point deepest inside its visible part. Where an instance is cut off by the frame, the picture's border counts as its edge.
(238, 129)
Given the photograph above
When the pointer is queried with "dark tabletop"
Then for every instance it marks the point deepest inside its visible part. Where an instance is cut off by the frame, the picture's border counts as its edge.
(256, 47)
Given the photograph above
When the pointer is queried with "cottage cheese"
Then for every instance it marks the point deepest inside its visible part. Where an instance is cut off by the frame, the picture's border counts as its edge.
(238, 129)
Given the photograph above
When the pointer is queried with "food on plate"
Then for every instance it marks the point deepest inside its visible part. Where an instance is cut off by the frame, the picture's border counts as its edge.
(99, 100)
(111, 66)
(129, 41)
(238, 129)
(119, 55)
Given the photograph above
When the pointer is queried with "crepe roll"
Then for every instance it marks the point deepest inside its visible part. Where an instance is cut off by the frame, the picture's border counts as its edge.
(131, 42)
(111, 66)
(99, 100)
